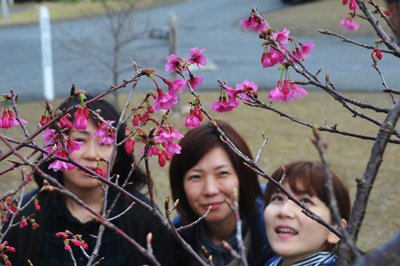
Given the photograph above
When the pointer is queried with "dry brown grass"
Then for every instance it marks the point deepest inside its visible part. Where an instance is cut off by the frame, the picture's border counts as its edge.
(288, 141)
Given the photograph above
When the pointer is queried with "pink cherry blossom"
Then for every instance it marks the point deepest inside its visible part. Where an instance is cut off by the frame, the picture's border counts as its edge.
(306, 49)
(349, 24)
(246, 86)
(164, 101)
(196, 57)
(48, 134)
(281, 37)
(253, 23)
(174, 63)
(192, 120)
(223, 106)
(276, 94)
(5, 120)
(129, 146)
(173, 148)
(297, 91)
(80, 118)
(353, 5)
(13, 119)
(194, 81)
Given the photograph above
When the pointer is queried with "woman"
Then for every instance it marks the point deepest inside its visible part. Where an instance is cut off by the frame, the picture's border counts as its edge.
(205, 174)
(294, 237)
(59, 213)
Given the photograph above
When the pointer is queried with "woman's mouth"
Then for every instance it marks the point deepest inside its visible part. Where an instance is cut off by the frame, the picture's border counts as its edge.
(285, 231)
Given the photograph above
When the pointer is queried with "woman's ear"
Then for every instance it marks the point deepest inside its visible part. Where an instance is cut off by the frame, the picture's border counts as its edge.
(334, 239)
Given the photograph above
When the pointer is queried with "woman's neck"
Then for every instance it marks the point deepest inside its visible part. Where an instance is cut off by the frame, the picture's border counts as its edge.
(93, 198)
(219, 231)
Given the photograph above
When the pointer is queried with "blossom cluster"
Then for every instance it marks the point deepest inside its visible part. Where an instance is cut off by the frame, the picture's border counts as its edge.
(276, 52)
(164, 147)
(3, 249)
(8, 120)
(348, 22)
(70, 237)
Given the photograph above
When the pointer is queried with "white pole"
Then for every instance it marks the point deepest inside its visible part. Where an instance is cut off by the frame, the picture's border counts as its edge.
(47, 60)
(4, 10)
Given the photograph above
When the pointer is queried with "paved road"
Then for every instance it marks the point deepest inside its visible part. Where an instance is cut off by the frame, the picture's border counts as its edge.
(207, 24)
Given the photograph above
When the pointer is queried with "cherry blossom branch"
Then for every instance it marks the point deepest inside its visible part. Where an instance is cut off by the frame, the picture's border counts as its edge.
(322, 147)
(364, 185)
(178, 237)
(378, 29)
(258, 103)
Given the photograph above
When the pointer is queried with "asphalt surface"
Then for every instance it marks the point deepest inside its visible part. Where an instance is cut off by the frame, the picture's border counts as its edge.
(208, 24)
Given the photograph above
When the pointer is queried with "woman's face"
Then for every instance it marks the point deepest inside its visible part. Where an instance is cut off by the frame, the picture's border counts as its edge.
(292, 234)
(87, 155)
(209, 183)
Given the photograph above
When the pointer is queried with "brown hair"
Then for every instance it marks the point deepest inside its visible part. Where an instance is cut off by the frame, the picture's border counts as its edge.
(312, 177)
(196, 143)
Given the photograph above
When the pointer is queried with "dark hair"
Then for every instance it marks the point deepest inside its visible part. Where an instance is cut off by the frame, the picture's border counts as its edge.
(123, 161)
(312, 177)
(196, 143)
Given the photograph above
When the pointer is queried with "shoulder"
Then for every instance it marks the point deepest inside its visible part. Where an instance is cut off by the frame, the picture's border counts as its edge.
(273, 261)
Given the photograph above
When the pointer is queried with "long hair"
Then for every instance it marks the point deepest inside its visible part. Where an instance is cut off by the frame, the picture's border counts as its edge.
(122, 163)
(196, 143)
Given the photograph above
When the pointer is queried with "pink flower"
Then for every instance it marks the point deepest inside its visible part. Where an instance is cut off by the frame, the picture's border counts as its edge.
(135, 120)
(67, 247)
(48, 135)
(376, 54)
(297, 91)
(58, 165)
(164, 101)
(105, 133)
(349, 24)
(281, 37)
(276, 94)
(266, 60)
(194, 81)
(13, 119)
(353, 5)
(167, 134)
(80, 118)
(37, 206)
(129, 146)
(196, 57)
(246, 86)
(99, 171)
(223, 106)
(64, 121)
(253, 23)
(306, 49)
(173, 148)
(192, 120)
(5, 120)
(76, 242)
(288, 92)
(174, 63)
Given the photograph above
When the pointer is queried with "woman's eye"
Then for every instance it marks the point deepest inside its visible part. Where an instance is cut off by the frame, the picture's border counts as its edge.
(306, 200)
(194, 177)
(79, 140)
(223, 173)
(276, 198)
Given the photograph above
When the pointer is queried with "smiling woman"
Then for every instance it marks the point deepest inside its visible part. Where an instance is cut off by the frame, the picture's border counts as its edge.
(59, 215)
(205, 174)
(294, 237)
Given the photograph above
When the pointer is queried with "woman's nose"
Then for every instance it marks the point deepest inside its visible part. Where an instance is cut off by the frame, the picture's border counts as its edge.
(288, 209)
(210, 186)
(91, 151)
